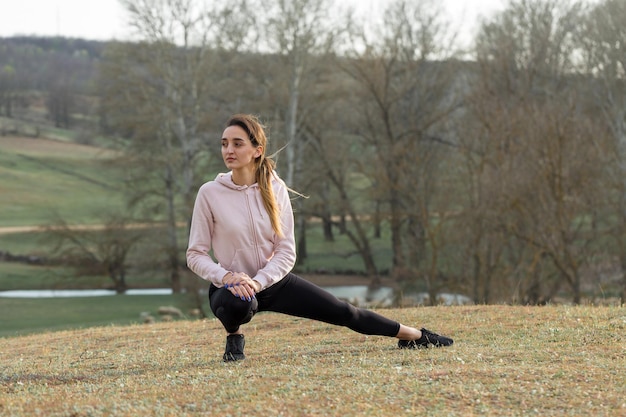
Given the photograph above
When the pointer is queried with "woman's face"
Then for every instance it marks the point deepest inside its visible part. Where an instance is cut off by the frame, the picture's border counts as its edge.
(237, 149)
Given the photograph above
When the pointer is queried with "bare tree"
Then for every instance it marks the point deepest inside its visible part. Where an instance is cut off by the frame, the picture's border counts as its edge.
(60, 100)
(403, 95)
(158, 94)
(299, 33)
(533, 134)
(603, 47)
(96, 253)
(7, 90)
(335, 163)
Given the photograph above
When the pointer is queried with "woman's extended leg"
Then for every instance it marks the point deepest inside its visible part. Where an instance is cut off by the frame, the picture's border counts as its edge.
(298, 297)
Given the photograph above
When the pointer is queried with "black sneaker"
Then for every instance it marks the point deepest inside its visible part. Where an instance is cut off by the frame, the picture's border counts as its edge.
(234, 348)
(428, 338)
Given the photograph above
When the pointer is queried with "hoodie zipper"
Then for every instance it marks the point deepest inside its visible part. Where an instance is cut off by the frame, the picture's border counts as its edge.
(253, 227)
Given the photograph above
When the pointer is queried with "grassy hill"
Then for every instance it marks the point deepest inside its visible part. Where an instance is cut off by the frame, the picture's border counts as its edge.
(506, 361)
(42, 178)
(21, 316)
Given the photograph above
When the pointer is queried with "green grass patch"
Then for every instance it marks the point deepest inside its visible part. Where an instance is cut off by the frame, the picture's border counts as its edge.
(29, 243)
(340, 255)
(19, 276)
(24, 316)
(41, 179)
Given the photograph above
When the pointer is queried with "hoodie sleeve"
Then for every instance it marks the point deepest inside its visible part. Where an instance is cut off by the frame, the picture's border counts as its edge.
(284, 256)
(200, 241)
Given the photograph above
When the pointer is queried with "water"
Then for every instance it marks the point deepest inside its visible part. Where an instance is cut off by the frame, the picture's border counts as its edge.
(356, 294)
(362, 295)
(79, 293)
(384, 297)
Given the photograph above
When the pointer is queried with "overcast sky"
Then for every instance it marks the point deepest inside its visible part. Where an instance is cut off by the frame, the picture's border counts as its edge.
(105, 19)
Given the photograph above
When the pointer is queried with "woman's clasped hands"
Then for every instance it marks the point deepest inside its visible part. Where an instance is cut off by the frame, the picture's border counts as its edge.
(241, 285)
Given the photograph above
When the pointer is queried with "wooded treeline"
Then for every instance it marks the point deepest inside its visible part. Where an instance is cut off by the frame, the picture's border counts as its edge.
(497, 172)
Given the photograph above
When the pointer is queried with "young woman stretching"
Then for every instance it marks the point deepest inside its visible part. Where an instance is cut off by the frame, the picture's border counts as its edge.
(245, 218)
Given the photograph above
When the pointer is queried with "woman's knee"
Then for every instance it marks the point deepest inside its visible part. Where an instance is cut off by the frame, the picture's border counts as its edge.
(227, 307)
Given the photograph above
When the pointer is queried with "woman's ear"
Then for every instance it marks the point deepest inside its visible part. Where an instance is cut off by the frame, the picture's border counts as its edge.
(259, 151)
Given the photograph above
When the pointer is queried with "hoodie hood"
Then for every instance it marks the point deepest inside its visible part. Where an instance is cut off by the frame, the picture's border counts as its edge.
(226, 179)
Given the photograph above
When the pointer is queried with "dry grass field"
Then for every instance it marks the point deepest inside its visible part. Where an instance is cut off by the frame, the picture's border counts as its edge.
(506, 361)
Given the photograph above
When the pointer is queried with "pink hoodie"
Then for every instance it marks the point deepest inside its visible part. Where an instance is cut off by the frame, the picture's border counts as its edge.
(231, 220)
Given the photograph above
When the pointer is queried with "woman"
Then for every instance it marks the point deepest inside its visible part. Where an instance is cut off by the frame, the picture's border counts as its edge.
(245, 218)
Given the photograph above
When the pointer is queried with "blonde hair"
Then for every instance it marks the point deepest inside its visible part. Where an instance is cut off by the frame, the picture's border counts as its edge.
(264, 164)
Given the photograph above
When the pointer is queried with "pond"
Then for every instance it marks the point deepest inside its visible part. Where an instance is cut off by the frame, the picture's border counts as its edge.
(78, 293)
(356, 294)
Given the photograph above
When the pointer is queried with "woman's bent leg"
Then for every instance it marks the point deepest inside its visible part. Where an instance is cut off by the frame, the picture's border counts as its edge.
(230, 310)
(298, 297)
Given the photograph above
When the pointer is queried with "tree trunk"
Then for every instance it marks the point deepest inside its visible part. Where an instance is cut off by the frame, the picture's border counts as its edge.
(327, 226)
(172, 230)
(302, 250)
(476, 278)
(118, 276)
(398, 262)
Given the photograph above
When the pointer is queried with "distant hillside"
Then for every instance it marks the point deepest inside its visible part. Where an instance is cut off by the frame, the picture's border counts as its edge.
(41, 178)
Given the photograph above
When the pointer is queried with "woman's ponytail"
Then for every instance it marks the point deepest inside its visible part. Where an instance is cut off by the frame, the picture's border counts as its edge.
(264, 175)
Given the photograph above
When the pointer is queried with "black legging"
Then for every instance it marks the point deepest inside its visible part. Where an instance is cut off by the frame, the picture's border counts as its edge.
(296, 296)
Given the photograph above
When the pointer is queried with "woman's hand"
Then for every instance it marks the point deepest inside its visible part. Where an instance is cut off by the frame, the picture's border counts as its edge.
(241, 285)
